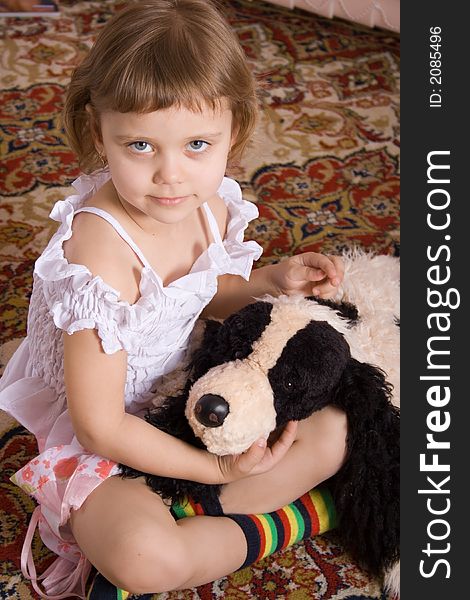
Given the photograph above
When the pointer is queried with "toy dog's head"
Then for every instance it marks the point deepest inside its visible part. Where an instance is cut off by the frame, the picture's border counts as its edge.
(271, 362)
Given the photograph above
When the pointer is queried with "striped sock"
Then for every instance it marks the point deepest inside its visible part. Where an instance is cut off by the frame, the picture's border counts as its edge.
(190, 508)
(102, 589)
(309, 515)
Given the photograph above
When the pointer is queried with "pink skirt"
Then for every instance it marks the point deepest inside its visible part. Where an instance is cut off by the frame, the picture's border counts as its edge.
(60, 479)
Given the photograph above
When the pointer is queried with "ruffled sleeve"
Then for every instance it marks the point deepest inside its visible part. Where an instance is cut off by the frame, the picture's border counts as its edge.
(241, 254)
(74, 298)
(85, 302)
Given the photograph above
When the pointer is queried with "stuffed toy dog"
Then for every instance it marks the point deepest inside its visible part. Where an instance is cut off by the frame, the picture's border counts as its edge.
(281, 359)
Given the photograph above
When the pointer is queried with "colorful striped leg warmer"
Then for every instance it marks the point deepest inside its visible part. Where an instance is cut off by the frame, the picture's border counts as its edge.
(309, 515)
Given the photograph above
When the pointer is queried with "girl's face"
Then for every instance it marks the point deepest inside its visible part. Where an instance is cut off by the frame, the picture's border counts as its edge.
(166, 163)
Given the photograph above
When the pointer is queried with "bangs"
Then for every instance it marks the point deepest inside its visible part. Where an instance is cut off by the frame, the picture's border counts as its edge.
(148, 90)
(160, 74)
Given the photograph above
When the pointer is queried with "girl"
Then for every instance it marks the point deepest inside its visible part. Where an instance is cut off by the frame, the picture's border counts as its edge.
(152, 238)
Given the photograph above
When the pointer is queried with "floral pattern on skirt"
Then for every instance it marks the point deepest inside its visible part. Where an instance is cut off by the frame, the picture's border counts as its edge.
(60, 479)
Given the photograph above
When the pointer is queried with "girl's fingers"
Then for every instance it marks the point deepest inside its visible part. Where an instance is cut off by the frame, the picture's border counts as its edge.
(254, 455)
(339, 266)
(324, 290)
(329, 287)
(312, 274)
(311, 266)
(288, 435)
(259, 458)
(320, 261)
(302, 273)
(285, 441)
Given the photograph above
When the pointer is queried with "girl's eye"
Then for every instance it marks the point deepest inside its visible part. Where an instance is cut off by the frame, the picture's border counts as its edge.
(198, 146)
(141, 147)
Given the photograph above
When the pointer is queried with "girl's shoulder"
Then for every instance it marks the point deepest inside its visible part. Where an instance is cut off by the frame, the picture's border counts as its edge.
(98, 247)
(86, 246)
(94, 244)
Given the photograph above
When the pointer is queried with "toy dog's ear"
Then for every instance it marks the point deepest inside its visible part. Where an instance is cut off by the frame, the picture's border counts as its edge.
(308, 371)
(242, 329)
(205, 357)
(366, 488)
(231, 340)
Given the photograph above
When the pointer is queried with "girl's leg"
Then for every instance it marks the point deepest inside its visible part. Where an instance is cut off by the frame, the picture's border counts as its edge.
(129, 535)
(317, 454)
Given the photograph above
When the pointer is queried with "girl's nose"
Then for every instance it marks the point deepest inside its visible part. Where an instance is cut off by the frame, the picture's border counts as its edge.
(167, 170)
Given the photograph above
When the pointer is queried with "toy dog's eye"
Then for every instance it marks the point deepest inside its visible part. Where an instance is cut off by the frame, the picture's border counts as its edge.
(289, 385)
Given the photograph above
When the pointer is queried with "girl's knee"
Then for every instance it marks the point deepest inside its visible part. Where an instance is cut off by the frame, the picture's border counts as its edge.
(337, 427)
(148, 561)
(324, 436)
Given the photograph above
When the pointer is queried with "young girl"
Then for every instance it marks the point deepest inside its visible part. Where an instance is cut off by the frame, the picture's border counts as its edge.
(152, 238)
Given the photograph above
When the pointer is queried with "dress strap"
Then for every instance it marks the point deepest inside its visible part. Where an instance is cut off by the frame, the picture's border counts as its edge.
(57, 573)
(118, 228)
(214, 227)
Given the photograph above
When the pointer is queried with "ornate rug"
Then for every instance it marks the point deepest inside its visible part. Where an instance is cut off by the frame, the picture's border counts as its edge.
(323, 169)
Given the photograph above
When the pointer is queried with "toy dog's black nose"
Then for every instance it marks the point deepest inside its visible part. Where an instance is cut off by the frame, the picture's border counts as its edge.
(211, 410)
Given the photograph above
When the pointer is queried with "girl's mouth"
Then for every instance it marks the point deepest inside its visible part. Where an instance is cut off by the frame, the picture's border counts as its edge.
(169, 201)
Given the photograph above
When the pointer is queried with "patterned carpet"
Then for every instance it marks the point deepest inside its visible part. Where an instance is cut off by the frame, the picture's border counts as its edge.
(323, 170)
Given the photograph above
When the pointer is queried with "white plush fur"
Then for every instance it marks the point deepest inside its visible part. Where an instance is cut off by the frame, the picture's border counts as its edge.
(372, 284)
(392, 581)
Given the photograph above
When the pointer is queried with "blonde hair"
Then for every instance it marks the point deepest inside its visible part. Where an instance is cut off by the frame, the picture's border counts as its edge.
(157, 54)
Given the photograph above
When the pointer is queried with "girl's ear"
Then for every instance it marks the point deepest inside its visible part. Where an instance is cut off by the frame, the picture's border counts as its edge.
(234, 136)
(95, 129)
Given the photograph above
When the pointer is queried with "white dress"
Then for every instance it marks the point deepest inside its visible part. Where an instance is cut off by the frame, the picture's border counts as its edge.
(154, 333)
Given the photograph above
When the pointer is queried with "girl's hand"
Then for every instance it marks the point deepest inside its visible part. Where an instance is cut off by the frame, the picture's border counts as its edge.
(308, 274)
(259, 457)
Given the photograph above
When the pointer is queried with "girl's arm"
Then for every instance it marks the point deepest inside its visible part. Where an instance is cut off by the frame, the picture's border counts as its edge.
(234, 292)
(308, 274)
(94, 384)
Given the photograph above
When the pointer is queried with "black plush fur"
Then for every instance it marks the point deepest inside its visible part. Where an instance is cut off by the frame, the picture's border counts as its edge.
(309, 368)
(315, 369)
(366, 489)
(346, 310)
